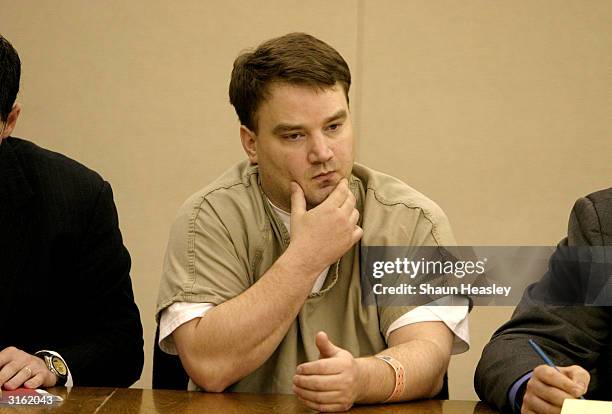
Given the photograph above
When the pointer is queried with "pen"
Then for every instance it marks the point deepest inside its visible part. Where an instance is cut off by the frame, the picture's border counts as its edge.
(544, 357)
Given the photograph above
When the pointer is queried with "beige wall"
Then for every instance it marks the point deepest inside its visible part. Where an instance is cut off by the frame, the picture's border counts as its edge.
(499, 111)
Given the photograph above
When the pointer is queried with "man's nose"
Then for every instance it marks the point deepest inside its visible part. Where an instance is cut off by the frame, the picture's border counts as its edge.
(319, 150)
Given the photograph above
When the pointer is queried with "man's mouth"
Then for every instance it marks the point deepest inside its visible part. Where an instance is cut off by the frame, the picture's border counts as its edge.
(324, 176)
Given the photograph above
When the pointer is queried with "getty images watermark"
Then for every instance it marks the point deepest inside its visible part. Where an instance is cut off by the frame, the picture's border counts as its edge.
(498, 275)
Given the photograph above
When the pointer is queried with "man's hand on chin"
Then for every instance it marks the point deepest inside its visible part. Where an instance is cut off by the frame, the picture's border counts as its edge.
(320, 236)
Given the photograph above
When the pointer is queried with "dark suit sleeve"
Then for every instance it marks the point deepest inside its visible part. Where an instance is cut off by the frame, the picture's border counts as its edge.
(585, 226)
(569, 334)
(109, 348)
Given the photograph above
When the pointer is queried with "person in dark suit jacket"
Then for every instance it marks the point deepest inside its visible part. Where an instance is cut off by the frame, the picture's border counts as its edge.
(578, 338)
(66, 303)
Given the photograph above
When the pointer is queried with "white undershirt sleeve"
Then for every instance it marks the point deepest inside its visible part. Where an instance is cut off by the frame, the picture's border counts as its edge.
(174, 316)
(454, 316)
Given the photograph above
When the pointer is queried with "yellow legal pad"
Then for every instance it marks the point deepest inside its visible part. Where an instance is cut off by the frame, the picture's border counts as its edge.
(586, 407)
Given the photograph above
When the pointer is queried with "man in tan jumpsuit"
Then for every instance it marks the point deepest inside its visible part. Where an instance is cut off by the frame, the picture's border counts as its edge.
(261, 290)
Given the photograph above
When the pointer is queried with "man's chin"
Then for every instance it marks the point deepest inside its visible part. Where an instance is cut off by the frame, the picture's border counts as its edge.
(317, 197)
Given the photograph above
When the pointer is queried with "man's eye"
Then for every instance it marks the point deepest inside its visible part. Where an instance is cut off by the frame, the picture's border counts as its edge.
(293, 137)
(334, 127)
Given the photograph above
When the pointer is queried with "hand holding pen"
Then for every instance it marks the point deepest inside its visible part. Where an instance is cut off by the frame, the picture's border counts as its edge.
(546, 358)
(550, 385)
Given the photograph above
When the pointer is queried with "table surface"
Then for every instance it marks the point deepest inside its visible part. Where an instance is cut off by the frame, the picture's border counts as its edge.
(132, 400)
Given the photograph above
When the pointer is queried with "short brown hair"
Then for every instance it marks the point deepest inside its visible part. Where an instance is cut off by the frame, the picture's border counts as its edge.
(295, 58)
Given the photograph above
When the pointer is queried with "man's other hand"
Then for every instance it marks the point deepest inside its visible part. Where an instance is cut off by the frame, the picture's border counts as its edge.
(330, 383)
(19, 368)
(548, 388)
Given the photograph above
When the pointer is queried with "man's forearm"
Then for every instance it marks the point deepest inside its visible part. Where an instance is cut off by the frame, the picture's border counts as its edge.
(425, 364)
(246, 329)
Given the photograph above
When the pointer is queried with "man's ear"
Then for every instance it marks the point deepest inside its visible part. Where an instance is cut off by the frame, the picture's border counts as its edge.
(11, 121)
(249, 143)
